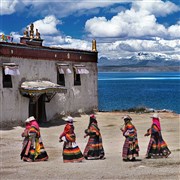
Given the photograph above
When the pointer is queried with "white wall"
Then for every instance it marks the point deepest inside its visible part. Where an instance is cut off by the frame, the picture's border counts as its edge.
(83, 98)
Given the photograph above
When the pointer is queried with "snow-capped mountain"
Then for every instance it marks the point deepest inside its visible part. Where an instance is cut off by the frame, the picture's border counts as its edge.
(142, 59)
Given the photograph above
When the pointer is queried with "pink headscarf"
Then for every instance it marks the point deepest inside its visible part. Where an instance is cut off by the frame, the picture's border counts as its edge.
(28, 125)
(156, 122)
(35, 124)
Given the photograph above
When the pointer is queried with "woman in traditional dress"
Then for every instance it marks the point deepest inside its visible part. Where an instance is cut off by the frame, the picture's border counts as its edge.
(33, 149)
(130, 148)
(94, 148)
(157, 147)
(71, 151)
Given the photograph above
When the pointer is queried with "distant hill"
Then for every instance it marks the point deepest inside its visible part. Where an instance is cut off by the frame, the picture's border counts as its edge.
(135, 68)
(140, 62)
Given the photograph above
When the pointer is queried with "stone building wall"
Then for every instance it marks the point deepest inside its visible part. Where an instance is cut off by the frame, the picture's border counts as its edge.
(82, 98)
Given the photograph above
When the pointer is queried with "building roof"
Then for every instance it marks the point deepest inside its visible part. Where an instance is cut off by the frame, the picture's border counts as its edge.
(25, 51)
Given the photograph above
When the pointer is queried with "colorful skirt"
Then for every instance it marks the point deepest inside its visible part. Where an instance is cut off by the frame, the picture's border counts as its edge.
(31, 154)
(94, 149)
(72, 153)
(157, 148)
(130, 149)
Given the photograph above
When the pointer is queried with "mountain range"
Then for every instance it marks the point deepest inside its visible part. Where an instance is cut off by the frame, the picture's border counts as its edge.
(142, 60)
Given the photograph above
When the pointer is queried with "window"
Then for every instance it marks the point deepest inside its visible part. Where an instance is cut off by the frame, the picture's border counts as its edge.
(9, 69)
(77, 78)
(62, 70)
(60, 79)
(78, 70)
(7, 81)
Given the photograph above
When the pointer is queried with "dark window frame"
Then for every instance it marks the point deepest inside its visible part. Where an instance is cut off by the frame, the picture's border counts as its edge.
(7, 80)
(60, 78)
(77, 78)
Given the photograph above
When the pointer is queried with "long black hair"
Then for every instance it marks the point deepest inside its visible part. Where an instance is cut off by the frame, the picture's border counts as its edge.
(91, 120)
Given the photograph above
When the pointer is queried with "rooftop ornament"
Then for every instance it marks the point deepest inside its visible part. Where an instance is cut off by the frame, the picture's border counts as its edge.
(26, 34)
(94, 45)
(32, 31)
(29, 38)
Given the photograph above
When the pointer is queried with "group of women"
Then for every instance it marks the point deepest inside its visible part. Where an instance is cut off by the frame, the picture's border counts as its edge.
(157, 147)
(33, 149)
(94, 148)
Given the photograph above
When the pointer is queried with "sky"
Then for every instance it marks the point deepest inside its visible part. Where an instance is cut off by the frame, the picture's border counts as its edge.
(122, 28)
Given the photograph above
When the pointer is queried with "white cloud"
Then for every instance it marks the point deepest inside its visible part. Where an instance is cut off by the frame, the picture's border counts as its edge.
(78, 44)
(116, 49)
(47, 25)
(138, 22)
(8, 6)
(126, 24)
(174, 31)
(63, 8)
(67, 42)
(87, 4)
(134, 24)
(156, 7)
(128, 48)
(119, 49)
(60, 8)
(53, 40)
(101, 27)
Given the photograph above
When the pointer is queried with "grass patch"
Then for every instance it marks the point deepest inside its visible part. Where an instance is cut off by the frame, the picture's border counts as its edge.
(139, 109)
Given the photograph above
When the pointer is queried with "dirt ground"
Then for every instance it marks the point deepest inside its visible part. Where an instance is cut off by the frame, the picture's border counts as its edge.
(112, 167)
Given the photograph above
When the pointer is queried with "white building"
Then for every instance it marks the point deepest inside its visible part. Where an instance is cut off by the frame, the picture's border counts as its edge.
(45, 82)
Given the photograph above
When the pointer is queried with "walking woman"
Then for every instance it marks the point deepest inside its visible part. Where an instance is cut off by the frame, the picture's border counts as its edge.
(71, 152)
(33, 149)
(94, 148)
(157, 147)
(130, 148)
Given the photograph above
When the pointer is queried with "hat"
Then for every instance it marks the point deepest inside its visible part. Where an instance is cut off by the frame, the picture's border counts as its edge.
(30, 119)
(127, 117)
(93, 116)
(69, 119)
(155, 116)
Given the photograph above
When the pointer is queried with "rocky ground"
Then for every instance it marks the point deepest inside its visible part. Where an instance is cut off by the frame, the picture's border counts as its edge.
(112, 167)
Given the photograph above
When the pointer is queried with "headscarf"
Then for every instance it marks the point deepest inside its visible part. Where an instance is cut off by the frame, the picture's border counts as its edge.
(69, 119)
(68, 127)
(156, 122)
(28, 126)
(35, 124)
(92, 120)
(126, 119)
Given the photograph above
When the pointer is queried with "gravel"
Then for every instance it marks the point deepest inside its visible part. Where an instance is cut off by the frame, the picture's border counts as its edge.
(112, 167)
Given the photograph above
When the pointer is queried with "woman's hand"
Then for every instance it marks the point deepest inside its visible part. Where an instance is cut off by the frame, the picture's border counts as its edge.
(85, 136)
(24, 134)
(121, 129)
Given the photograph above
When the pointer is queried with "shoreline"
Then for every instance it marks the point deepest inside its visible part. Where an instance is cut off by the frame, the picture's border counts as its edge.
(140, 110)
(58, 121)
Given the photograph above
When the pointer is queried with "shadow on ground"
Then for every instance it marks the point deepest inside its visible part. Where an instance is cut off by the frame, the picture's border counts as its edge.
(57, 121)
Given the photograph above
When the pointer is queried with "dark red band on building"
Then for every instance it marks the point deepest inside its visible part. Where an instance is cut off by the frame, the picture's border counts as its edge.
(46, 53)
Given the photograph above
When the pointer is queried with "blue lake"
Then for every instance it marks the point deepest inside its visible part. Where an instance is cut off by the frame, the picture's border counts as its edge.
(124, 90)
